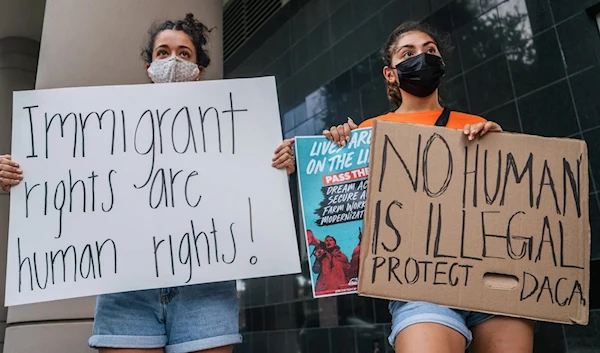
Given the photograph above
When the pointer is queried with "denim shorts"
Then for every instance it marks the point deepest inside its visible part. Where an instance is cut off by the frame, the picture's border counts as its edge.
(179, 319)
(408, 314)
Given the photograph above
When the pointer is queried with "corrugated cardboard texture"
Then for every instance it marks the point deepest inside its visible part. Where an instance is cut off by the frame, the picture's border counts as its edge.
(498, 224)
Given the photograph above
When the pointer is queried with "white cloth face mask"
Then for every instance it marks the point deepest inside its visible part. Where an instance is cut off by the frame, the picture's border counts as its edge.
(173, 69)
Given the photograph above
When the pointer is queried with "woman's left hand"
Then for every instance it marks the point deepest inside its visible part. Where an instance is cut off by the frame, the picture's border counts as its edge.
(472, 130)
(283, 157)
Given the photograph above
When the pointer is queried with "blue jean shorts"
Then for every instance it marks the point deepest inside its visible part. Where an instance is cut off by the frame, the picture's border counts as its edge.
(408, 314)
(179, 319)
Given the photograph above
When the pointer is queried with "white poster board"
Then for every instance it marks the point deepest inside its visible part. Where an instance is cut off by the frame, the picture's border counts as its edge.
(146, 186)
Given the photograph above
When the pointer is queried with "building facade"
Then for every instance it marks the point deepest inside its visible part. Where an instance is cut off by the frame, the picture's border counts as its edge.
(82, 43)
(530, 65)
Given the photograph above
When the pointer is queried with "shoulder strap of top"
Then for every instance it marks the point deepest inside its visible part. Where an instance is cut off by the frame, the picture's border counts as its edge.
(443, 118)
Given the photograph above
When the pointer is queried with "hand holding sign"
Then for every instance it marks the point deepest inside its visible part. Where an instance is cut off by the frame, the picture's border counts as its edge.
(10, 174)
(471, 130)
(340, 134)
(284, 156)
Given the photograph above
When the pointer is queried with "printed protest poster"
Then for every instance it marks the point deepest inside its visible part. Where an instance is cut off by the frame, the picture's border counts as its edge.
(147, 186)
(498, 225)
(333, 189)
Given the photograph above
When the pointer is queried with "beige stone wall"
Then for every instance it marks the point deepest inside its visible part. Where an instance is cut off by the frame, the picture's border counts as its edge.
(88, 42)
(18, 62)
(85, 43)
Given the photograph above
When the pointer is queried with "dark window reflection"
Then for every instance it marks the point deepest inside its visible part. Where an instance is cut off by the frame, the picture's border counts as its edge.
(531, 65)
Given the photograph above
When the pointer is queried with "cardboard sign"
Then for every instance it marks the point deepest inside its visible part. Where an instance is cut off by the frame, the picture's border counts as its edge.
(146, 186)
(333, 193)
(497, 225)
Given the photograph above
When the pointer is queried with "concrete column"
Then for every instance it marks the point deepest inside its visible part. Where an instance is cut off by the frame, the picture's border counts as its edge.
(92, 43)
(18, 63)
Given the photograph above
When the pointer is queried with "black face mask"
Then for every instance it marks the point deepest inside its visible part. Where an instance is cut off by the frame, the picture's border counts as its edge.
(421, 75)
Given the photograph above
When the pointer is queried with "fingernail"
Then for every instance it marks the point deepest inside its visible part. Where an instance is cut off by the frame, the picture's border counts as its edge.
(19, 171)
(347, 138)
(343, 143)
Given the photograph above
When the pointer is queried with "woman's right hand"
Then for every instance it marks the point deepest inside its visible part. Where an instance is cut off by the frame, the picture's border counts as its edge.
(10, 174)
(340, 134)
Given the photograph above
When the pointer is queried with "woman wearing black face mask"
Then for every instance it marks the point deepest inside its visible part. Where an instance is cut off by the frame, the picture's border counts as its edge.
(413, 70)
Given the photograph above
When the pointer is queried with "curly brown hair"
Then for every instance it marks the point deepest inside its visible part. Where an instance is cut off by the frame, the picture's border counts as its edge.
(195, 29)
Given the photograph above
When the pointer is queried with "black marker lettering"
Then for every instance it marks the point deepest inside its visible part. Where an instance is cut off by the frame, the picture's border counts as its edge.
(31, 131)
(392, 269)
(438, 272)
(64, 254)
(190, 137)
(466, 267)
(547, 174)
(187, 199)
(72, 188)
(390, 224)
(187, 259)
(234, 248)
(203, 120)
(563, 303)
(63, 121)
(37, 277)
(59, 206)
(112, 194)
(562, 248)
(491, 199)
(527, 244)
(454, 282)
(546, 286)
(388, 144)
(377, 223)
(160, 117)
(449, 171)
(438, 236)
(425, 264)
(546, 227)
(173, 177)
(90, 262)
(233, 111)
(114, 246)
(21, 263)
(156, 245)
(511, 164)
(524, 282)
(27, 193)
(575, 186)
(378, 261)
(151, 147)
(466, 173)
(93, 177)
(416, 276)
(487, 235)
(577, 290)
(214, 234)
(462, 237)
